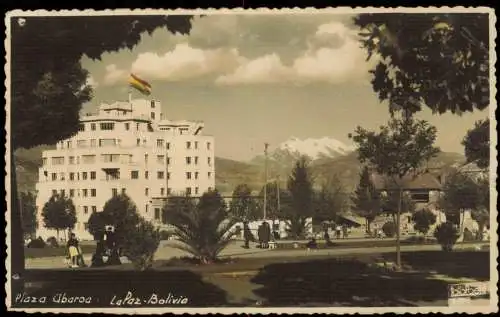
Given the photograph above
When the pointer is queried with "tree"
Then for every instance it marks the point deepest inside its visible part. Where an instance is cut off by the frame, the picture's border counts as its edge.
(330, 201)
(481, 214)
(121, 213)
(203, 231)
(477, 144)
(400, 150)
(59, 213)
(390, 201)
(366, 200)
(29, 213)
(243, 206)
(301, 199)
(141, 245)
(277, 200)
(423, 220)
(48, 83)
(177, 204)
(96, 225)
(436, 60)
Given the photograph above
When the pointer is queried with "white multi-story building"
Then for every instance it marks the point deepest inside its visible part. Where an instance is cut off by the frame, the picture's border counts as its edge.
(128, 147)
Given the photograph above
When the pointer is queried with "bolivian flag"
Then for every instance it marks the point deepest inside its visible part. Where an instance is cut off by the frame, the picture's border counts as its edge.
(139, 84)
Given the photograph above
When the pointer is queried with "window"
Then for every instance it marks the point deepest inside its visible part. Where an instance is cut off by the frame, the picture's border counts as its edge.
(71, 176)
(168, 146)
(85, 193)
(152, 115)
(93, 175)
(81, 143)
(137, 126)
(68, 144)
(81, 127)
(113, 175)
(162, 191)
(146, 175)
(208, 145)
(84, 176)
(188, 160)
(146, 158)
(420, 197)
(160, 142)
(209, 174)
(124, 191)
(147, 208)
(196, 190)
(188, 175)
(114, 192)
(92, 126)
(63, 193)
(188, 191)
(59, 160)
(161, 175)
(94, 209)
(188, 145)
(54, 176)
(160, 159)
(108, 158)
(127, 126)
(168, 160)
(209, 189)
(168, 175)
(107, 142)
(209, 161)
(85, 209)
(107, 126)
(44, 161)
(146, 191)
(144, 142)
(169, 191)
(152, 104)
(88, 159)
(134, 174)
(93, 192)
(78, 176)
(54, 192)
(196, 175)
(196, 160)
(71, 193)
(138, 142)
(62, 177)
(71, 160)
(93, 143)
(157, 213)
(196, 144)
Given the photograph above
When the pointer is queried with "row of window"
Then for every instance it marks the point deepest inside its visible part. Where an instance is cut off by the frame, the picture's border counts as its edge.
(116, 175)
(92, 192)
(161, 143)
(117, 158)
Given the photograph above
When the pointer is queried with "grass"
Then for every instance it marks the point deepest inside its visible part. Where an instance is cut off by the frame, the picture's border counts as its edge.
(31, 253)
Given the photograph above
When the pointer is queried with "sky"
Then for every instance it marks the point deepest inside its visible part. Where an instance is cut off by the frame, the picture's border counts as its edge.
(261, 78)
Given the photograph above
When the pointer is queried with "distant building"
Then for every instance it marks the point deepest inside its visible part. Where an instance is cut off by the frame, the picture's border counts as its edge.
(128, 147)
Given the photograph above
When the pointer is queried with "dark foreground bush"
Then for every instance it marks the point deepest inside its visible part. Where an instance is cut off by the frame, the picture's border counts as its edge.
(446, 235)
(141, 245)
(37, 243)
(389, 229)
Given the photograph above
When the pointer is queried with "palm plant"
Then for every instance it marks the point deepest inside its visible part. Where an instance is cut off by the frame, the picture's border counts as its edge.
(203, 230)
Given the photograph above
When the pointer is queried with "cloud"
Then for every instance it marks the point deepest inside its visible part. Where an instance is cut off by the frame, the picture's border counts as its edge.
(185, 62)
(265, 69)
(114, 75)
(333, 55)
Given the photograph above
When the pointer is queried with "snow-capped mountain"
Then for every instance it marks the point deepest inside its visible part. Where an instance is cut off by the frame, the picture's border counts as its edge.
(315, 148)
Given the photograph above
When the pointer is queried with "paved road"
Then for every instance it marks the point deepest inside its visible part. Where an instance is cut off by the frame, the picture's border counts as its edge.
(166, 251)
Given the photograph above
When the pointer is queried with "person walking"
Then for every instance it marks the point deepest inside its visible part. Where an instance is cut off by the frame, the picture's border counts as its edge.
(266, 234)
(247, 235)
(338, 230)
(260, 235)
(344, 232)
(73, 250)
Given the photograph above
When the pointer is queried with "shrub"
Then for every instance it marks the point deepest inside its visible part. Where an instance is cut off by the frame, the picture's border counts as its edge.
(52, 242)
(37, 243)
(423, 220)
(164, 235)
(389, 229)
(447, 235)
(141, 245)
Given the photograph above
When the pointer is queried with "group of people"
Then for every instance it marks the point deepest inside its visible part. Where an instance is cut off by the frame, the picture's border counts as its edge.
(341, 231)
(264, 234)
(74, 252)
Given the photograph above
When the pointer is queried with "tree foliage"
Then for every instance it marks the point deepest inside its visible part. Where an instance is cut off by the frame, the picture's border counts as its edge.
(477, 144)
(141, 245)
(301, 199)
(243, 206)
(276, 208)
(48, 82)
(96, 225)
(176, 205)
(481, 214)
(330, 201)
(205, 230)
(390, 201)
(423, 220)
(366, 199)
(59, 213)
(121, 213)
(439, 61)
(29, 213)
(400, 148)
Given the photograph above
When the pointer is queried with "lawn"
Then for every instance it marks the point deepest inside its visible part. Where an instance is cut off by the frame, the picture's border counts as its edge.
(345, 280)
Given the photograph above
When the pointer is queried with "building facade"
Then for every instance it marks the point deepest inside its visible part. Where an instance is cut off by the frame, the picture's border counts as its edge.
(127, 147)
